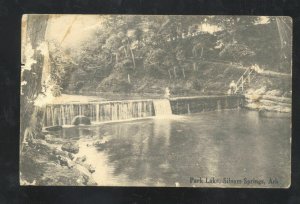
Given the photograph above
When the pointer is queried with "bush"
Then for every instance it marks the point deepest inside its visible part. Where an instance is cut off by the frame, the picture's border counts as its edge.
(155, 72)
(123, 86)
(197, 84)
(79, 85)
(56, 90)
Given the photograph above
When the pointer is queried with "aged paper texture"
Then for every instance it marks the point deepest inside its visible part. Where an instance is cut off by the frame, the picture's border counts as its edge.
(166, 100)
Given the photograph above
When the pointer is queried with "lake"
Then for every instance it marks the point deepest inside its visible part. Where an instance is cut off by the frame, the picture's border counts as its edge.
(229, 148)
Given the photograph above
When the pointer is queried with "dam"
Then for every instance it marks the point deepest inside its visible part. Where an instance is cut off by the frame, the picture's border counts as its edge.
(105, 111)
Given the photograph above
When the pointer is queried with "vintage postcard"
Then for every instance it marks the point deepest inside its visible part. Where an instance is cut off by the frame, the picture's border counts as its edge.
(160, 100)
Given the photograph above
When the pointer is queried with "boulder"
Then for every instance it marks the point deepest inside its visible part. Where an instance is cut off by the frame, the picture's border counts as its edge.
(81, 159)
(83, 179)
(58, 152)
(51, 139)
(53, 128)
(91, 169)
(64, 161)
(70, 147)
(40, 136)
(86, 180)
(81, 120)
(97, 143)
(70, 155)
(100, 142)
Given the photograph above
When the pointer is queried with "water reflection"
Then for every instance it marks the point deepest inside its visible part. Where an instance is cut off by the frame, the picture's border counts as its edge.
(164, 151)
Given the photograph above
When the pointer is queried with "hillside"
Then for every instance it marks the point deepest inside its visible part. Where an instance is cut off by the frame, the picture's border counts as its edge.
(146, 54)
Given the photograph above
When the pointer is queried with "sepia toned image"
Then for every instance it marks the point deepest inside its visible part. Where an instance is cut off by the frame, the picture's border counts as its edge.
(156, 100)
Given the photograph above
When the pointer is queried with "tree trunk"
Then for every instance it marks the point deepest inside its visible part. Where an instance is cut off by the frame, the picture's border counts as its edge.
(117, 57)
(133, 59)
(128, 77)
(35, 27)
(170, 74)
(125, 51)
(201, 53)
(183, 73)
(175, 75)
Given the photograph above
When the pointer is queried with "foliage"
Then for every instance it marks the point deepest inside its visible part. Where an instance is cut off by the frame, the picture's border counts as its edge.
(167, 48)
(236, 52)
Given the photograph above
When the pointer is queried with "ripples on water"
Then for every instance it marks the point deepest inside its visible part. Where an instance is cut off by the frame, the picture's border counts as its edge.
(169, 150)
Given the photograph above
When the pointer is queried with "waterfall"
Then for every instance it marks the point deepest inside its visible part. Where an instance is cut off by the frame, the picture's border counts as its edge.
(162, 107)
(219, 107)
(63, 114)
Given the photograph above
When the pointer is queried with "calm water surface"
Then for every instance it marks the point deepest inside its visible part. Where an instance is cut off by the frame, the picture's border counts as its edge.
(233, 144)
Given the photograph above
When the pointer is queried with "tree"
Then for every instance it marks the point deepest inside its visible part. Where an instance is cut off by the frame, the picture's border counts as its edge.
(31, 74)
(62, 66)
(154, 62)
(139, 46)
(236, 52)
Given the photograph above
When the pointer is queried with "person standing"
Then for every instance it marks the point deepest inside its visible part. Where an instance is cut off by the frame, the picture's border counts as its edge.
(167, 93)
(232, 87)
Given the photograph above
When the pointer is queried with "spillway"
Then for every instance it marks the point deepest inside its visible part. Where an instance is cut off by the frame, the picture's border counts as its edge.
(63, 114)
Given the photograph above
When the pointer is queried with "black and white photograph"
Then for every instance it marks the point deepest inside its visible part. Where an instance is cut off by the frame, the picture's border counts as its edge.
(156, 100)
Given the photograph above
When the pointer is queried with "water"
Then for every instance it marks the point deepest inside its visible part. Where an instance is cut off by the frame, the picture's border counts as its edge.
(233, 144)
(63, 114)
(162, 107)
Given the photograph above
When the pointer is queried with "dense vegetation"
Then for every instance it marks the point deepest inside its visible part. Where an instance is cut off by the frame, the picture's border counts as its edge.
(147, 53)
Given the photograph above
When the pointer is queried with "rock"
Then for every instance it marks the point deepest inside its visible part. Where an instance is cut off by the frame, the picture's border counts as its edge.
(70, 147)
(52, 156)
(40, 145)
(62, 161)
(53, 140)
(100, 142)
(45, 131)
(40, 136)
(81, 120)
(49, 137)
(58, 152)
(83, 179)
(91, 169)
(71, 156)
(96, 143)
(91, 182)
(53, 128)
(81, 159)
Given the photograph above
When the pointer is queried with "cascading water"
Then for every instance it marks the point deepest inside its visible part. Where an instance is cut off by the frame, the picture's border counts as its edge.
(219, 105)
(63, 114)
(162, 107)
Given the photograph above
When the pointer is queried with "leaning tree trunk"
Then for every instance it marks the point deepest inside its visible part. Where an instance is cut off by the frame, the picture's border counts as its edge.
(175, 74)
(34, 28)
(201, 53)
(125, 51)
(132, 55)
(128, 78)
(284, 32)
(133, 58)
